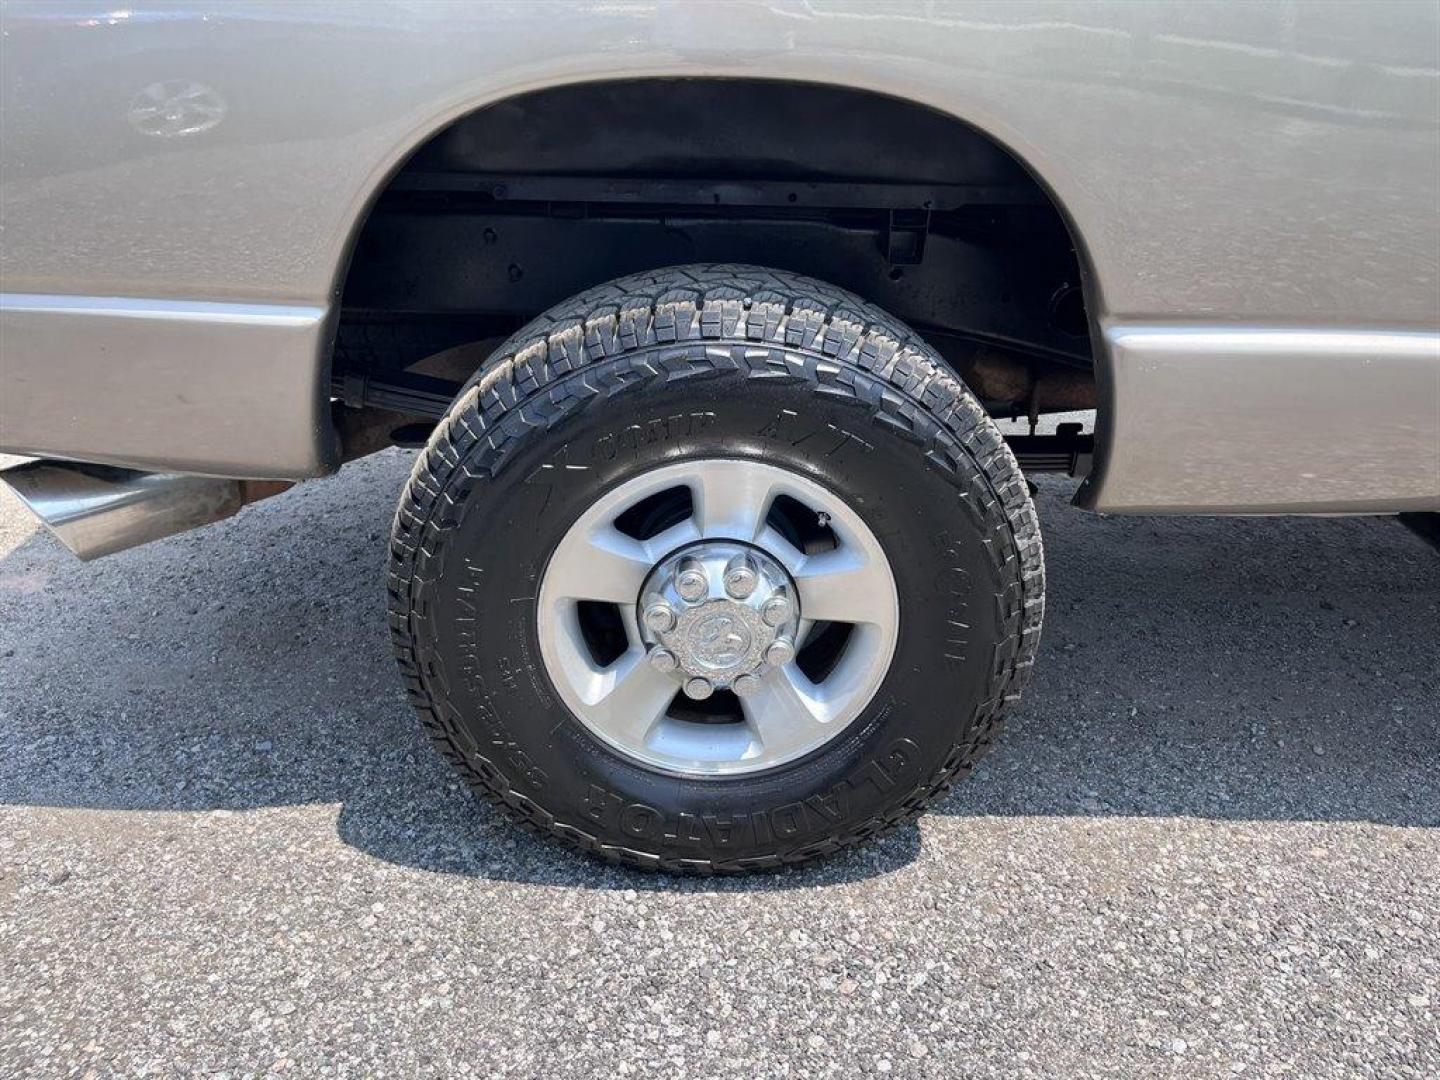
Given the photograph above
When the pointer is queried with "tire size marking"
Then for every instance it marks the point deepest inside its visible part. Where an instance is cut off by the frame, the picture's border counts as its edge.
(815, 813)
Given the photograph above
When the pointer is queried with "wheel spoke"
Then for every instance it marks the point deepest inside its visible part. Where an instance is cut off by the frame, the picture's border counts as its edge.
(730, 500)
(785, 713)
(774, 542)
(662, 543)
(843, 586)
(628, 698)
(607, 566)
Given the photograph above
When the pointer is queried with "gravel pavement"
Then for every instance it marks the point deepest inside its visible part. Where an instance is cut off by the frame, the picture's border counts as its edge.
(1207, 845)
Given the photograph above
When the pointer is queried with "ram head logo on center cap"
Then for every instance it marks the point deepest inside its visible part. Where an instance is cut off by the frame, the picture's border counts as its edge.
(721, 640)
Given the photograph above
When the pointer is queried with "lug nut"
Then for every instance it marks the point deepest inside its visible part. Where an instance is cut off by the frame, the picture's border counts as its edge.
(698, 688)
(740, 577)
(780, 652)
(660, 617)
(662, 659)
(745, 685)
(776, 610)
(691, 583)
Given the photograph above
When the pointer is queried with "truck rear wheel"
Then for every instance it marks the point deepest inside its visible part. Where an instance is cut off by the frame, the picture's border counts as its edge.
(715, 568)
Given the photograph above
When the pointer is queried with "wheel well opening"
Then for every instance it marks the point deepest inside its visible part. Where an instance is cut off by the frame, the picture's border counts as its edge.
(527, 201)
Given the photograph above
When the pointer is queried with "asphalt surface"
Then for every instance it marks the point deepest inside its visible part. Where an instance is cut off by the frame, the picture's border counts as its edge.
(1206, 846)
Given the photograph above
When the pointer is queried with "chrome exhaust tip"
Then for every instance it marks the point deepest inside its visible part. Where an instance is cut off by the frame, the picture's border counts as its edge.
(97, 510)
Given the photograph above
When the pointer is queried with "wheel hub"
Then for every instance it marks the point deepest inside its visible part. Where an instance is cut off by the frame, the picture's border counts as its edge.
(718, 615)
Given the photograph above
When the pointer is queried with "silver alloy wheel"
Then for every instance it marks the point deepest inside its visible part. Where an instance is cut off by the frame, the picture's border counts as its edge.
(739, 599)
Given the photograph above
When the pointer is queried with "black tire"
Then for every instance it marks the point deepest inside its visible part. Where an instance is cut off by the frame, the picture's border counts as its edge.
(718, 361)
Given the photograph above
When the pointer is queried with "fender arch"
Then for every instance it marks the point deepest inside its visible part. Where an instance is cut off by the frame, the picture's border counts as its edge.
(433, 127)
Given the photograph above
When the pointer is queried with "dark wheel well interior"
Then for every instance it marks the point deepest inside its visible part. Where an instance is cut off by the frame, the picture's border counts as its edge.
(525, 202)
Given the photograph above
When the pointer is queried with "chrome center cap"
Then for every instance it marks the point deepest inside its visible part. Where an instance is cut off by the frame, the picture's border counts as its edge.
(720, 639)
(718, 615)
